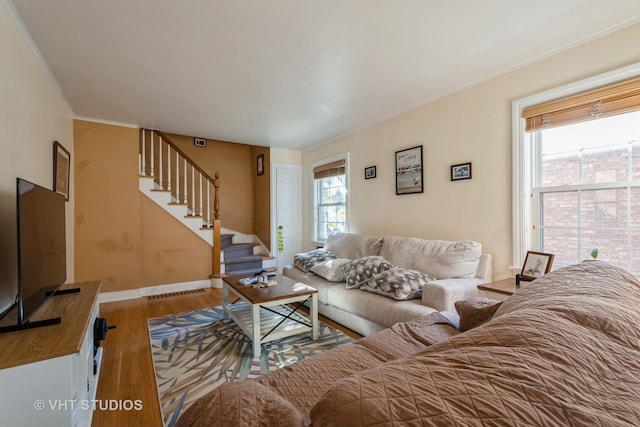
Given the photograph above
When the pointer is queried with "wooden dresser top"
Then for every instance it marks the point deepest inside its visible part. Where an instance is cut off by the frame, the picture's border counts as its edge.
(46, 342)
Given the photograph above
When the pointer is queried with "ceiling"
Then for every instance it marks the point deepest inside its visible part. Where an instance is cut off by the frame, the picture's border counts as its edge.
(291, 73)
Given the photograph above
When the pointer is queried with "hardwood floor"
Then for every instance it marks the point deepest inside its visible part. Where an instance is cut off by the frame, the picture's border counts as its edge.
(127, 369)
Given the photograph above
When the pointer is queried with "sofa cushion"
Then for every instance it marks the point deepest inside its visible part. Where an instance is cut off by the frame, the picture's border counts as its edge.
(375, 308)
(397, 283)
(353, 246)
(442, 294)
(438, 258)
(332, 269)
(476, 311)
(360, 270)
(313, 280)
(304, 261)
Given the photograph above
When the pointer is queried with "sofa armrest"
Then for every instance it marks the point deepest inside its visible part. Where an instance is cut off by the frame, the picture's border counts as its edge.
(485, 269)
(442, 294)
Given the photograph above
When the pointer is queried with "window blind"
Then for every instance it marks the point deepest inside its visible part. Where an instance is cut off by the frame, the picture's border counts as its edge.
(617, 98)
(330, 169)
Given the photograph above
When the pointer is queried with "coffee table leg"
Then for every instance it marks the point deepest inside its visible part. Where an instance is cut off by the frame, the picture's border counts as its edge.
(314, 316)
(225, 299)
(255, 321)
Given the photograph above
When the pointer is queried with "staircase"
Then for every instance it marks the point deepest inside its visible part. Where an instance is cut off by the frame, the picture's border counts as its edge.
(181, 188)
(239, 258)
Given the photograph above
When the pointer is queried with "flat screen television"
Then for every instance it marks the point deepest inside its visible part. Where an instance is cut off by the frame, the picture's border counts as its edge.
(42, 258)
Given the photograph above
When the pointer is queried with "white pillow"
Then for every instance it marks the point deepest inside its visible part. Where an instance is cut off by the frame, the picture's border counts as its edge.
(332, 270)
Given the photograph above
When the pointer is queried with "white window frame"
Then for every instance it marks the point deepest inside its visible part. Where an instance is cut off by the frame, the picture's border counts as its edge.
(523, 216)
(314, 194)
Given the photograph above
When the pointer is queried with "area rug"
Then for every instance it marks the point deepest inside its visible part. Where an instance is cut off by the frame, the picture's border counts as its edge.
(196, 351)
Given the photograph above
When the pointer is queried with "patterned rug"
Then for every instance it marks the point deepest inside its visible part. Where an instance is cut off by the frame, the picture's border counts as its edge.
(195, 352)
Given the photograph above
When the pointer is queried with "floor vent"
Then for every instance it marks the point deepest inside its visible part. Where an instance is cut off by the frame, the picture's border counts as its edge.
(176, 294)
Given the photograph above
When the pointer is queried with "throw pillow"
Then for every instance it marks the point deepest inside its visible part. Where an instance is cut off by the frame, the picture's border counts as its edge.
(475, 311)
(363, 269)
(332, 270)
(398, 283)
(306, 260)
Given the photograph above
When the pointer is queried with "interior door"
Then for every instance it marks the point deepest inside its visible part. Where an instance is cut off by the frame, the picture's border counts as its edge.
(287, 210)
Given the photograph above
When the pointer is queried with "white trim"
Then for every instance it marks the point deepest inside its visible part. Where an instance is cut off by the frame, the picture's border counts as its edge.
(522, 215)
(345, 157)
(155, 290)
(107, 122)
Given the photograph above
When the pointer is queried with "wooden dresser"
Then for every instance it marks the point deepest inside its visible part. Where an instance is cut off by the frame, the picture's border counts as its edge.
(47, 373)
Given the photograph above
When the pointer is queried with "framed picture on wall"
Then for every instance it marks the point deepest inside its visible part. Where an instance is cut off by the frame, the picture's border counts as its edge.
(461, 171)
(409, 171)
(61, 169)
(370, 172)
(260, 164)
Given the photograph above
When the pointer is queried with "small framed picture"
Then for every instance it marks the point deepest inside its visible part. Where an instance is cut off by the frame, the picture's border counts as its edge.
(260, 164)
(61, 169)
(199, 142)
(461, 171)
(535, 265)
(370, 172)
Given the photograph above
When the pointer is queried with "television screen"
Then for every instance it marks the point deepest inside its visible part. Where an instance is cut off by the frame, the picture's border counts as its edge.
(42, 259)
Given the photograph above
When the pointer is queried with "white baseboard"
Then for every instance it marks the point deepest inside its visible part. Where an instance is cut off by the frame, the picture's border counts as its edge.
(158, 290)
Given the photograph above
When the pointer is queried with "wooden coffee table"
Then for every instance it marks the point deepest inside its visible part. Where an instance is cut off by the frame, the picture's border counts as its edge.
(270, 313)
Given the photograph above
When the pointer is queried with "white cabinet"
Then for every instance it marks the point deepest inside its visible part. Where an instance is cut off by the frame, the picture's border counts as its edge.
(47, 373)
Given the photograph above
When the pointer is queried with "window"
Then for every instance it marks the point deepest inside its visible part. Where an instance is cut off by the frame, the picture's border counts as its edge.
(586, 191)
(330, 198)
(577, 173)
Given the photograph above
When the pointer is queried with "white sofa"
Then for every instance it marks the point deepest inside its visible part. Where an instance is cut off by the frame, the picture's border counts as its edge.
(456, 270)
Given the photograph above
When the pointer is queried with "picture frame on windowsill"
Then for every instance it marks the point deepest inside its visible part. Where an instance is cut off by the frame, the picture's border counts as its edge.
(536, 264)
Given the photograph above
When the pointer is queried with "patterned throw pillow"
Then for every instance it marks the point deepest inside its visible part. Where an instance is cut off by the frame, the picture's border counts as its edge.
(332, 270)
(476, 311)
(306, 260)
(398, 283)
(362, 269)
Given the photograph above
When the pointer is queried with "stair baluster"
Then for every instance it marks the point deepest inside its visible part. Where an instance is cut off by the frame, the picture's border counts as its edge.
(188, 184)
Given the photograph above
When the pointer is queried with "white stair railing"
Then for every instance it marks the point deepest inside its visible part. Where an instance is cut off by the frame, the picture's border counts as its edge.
(173, 171)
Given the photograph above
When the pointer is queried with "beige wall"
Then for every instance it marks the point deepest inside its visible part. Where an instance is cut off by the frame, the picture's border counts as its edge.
(108, 236)
(243, 193)
(262, 196)
(32, 116)
(123, 238)
(473, 125)
(170, 253)
(283, 155)
(129, 242)
(235, 164)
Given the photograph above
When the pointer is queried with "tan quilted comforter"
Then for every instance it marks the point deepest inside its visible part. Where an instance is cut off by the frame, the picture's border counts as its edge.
(286, 396)
(565, 350)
